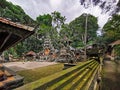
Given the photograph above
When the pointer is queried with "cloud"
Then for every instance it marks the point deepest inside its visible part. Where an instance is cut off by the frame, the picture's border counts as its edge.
(69, 8)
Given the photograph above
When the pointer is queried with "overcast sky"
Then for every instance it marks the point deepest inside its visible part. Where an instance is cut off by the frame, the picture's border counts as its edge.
(69, 8)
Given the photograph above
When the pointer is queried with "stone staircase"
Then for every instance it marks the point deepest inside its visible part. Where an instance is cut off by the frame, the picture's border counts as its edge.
(74, 78)
(9, 79)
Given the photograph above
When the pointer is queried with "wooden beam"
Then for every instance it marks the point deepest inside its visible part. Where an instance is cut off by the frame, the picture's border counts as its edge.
(17, 31)
(5, 40)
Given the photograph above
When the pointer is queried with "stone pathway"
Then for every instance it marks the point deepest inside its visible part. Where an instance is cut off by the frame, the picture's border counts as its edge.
(111, 76)
(18, 66)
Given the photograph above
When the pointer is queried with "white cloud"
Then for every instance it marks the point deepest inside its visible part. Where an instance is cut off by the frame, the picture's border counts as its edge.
(69, 8)
(55, 3)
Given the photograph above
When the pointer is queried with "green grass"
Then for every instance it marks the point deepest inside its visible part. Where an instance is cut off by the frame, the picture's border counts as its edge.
(38, 73)
(44, 83)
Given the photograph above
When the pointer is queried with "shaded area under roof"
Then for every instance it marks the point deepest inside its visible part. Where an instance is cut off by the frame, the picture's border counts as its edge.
(11, 33)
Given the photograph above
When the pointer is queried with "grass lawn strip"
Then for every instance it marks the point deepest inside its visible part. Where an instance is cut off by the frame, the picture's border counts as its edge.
(38, 73)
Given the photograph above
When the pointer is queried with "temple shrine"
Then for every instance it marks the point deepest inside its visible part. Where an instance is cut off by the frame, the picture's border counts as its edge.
(48, 49)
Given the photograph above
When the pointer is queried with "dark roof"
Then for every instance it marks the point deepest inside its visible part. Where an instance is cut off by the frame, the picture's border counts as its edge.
(3, 20)
(11, 33)
(30, 53)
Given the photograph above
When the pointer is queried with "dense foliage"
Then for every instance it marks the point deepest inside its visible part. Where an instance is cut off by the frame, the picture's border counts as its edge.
(111, 31)
(49, 24)
(75, 31)
(14, 13)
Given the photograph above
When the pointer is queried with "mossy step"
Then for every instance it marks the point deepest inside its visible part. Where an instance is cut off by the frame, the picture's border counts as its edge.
(11, 82)
(68, 79)
(18, 81)
(62, 77)
(82, 83)
(79, 78)
(41, 84)
(90, 80)
(8, 79)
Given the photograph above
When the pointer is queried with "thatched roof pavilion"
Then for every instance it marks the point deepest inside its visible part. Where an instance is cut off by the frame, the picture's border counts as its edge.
(11, 33)
(115, 43)
(31, 53)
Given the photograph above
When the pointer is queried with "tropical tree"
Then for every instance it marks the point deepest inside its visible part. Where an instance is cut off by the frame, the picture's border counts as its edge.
(75, 31)
(15, 13)
(58, 20)
(112, 29)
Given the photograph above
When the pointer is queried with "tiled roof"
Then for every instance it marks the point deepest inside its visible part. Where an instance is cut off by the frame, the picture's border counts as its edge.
(3, 20)
(31, 53)
(115, 43)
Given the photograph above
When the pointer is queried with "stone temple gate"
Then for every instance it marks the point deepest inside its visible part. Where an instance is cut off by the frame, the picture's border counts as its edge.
(10, 34)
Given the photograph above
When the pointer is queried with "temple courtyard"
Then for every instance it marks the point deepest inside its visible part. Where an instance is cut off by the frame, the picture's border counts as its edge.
(18, 66)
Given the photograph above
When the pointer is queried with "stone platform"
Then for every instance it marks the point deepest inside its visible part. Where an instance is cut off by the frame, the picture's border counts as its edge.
(9, 79)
